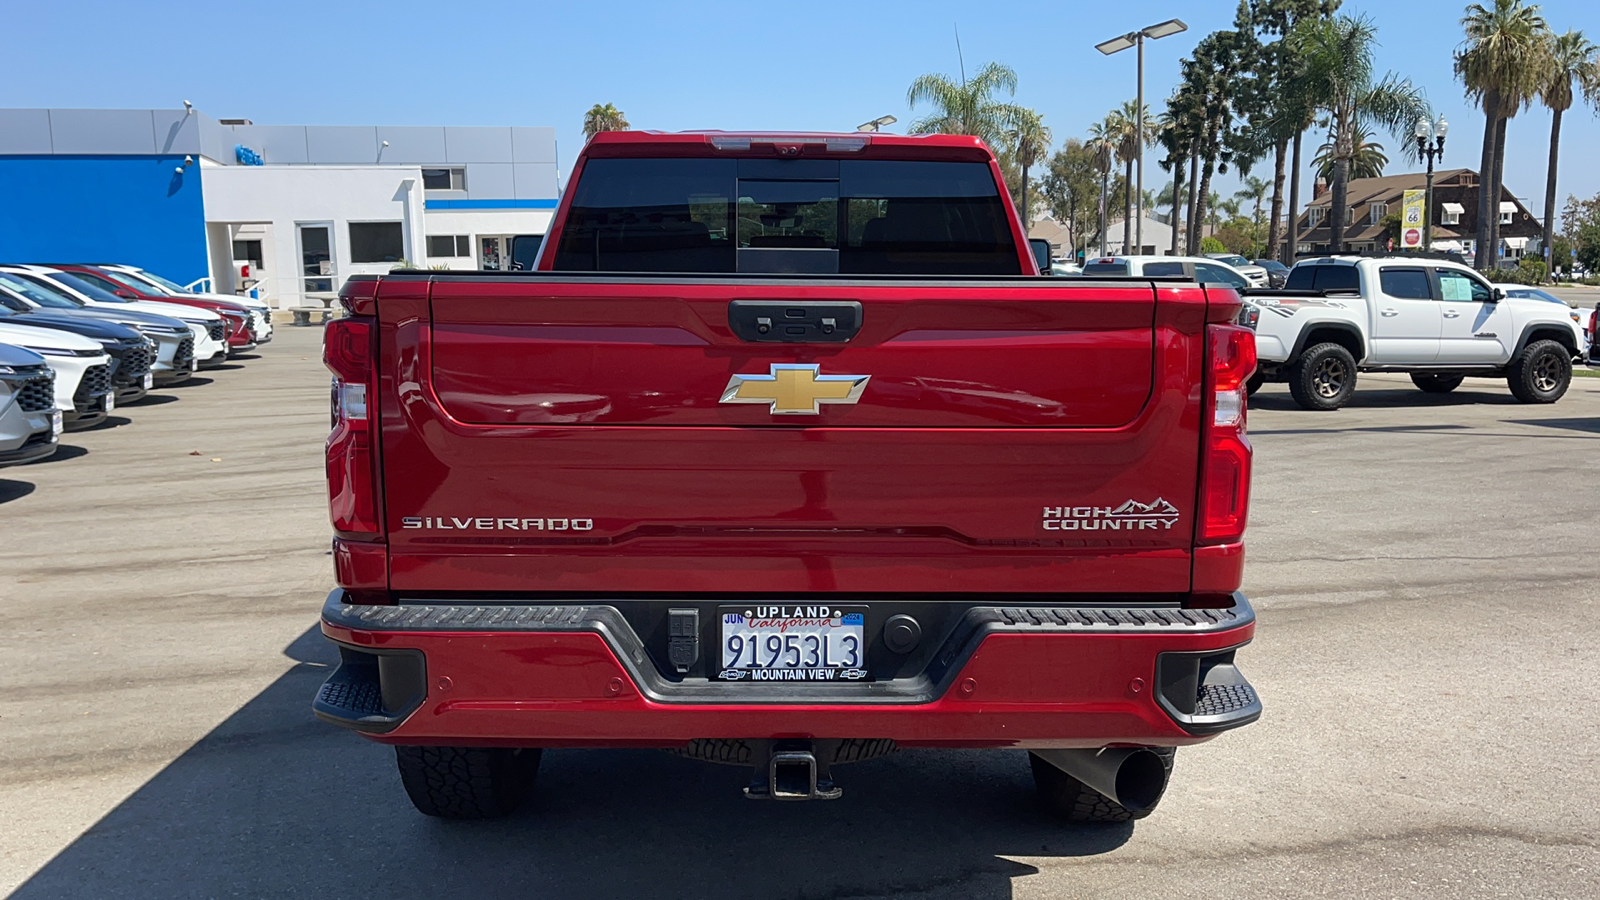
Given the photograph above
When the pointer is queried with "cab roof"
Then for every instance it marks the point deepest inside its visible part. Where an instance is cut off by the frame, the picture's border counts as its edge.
(788, 145)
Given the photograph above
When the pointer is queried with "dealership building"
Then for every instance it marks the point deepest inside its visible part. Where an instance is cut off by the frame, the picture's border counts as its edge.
(290, 211)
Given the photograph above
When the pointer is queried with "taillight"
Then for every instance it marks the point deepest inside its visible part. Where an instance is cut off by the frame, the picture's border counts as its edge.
(352, 474)
(1594, 322)
(1225, 468)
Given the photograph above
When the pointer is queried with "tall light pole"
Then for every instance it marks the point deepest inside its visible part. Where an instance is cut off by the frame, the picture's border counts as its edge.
(1430, 146)
(1116, 45)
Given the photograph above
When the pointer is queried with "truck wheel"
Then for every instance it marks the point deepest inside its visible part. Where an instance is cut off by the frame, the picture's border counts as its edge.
(1254, 384)
(1077, 802)
(466, 782)
(1323, 377)
(1435, 384)
(1540, 373)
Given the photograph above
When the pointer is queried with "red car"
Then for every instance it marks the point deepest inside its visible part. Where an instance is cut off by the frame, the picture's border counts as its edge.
(786, 455)
(240, 335)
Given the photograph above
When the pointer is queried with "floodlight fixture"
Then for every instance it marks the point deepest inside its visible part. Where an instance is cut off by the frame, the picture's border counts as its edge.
(1117, 45)
(877, 124)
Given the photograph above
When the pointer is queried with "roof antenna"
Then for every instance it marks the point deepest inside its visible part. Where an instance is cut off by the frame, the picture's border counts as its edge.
(959, 60)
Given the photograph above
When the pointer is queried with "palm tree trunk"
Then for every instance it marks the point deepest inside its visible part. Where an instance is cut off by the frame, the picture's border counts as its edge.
(1336, 222)
(1025, 223)
(1274, 234)
(1190, 236)
(1550, 192)
(1292, 245)
(1127, 209)
(1499, 188)
(1491, 116)
(1202, 202)
(1177, 201)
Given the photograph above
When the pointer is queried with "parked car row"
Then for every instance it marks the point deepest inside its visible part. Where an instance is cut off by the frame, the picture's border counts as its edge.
(78, 340)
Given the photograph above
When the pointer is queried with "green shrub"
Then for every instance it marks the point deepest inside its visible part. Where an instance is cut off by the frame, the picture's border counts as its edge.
(1209, 244)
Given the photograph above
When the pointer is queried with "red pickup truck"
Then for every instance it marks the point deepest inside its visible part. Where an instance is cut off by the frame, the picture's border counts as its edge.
(787, 456)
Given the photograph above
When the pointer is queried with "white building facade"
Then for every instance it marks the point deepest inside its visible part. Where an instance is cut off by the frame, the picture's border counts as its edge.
(287, 211)
(305, 207)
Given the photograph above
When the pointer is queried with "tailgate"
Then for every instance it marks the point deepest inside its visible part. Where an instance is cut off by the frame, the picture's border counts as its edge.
(612, 434)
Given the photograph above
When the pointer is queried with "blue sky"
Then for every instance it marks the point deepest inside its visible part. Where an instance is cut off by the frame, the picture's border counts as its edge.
(736, 65)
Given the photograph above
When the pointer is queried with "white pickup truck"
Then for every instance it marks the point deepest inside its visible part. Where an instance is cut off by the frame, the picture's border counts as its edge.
(1438, 320)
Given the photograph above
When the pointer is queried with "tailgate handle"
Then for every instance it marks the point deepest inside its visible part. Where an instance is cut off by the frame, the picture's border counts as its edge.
(795, 321)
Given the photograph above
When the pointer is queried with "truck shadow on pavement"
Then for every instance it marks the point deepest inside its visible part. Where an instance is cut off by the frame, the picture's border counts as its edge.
(272, 802)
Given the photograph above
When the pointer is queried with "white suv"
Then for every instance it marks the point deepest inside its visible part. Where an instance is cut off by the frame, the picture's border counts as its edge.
(1437, 320)
(1194, 268)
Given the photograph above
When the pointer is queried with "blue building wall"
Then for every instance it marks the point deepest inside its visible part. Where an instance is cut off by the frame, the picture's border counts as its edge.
(114, 209)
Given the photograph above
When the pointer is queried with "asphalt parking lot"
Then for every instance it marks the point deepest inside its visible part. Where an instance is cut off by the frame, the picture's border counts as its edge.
(1424, 567)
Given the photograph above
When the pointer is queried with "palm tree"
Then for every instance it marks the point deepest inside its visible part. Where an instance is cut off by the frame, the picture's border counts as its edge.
(1337, 81)
(1125, 125)
(1367, 161)
(1030, 141)
(1500, 66)
(967, 106)
(603, 118)
(1103, 141)
(1254, 190)
(1570, 57)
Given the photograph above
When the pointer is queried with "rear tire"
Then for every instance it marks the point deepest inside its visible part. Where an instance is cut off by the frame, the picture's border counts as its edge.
(1255, 383)
(1077, 802)
(1436, 384)
(466, 782)
(1323, 378)
(1540, 373)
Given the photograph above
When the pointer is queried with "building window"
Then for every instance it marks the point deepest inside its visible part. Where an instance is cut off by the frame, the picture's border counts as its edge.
(449, 245)
(1451, 214)
(249, 251)
(376, 242)
(1379, 210)
(1316, 213)
(444, 179)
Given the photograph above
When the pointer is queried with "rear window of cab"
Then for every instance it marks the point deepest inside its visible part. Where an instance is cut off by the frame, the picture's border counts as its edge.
(1324, 278)
(801, 216)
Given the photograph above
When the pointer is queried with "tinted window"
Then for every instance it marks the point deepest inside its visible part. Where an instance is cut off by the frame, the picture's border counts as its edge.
(376, 242)
(1324, 278)
(84, 286)
(1406, 284)
(1209, 274)
(1117, 269)
(727, 215)
(1163, 269)
(38, 293)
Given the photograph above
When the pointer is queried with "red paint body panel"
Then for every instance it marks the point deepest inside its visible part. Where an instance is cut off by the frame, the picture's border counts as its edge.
(569, 690)
(872, 497)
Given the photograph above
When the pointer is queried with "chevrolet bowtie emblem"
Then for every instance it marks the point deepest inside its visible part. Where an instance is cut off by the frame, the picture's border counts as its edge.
(794, 389)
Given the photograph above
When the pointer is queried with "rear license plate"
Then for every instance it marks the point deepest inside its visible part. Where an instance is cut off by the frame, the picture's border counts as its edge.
(793, 643)
(111, 402)
(149, 381)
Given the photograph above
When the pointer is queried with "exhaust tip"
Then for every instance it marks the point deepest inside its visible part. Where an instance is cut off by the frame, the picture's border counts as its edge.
(1141, 780)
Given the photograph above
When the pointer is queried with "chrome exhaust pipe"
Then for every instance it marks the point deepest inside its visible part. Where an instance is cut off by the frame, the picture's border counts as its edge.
(1132, 777)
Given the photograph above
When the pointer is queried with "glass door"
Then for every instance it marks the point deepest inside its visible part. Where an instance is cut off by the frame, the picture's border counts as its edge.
(316, 258)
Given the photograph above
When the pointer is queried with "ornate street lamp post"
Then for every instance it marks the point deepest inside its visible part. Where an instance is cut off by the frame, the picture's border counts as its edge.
(1430, 146)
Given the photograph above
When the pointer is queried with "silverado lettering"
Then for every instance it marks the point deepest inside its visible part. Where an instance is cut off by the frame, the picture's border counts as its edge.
(814, 571)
